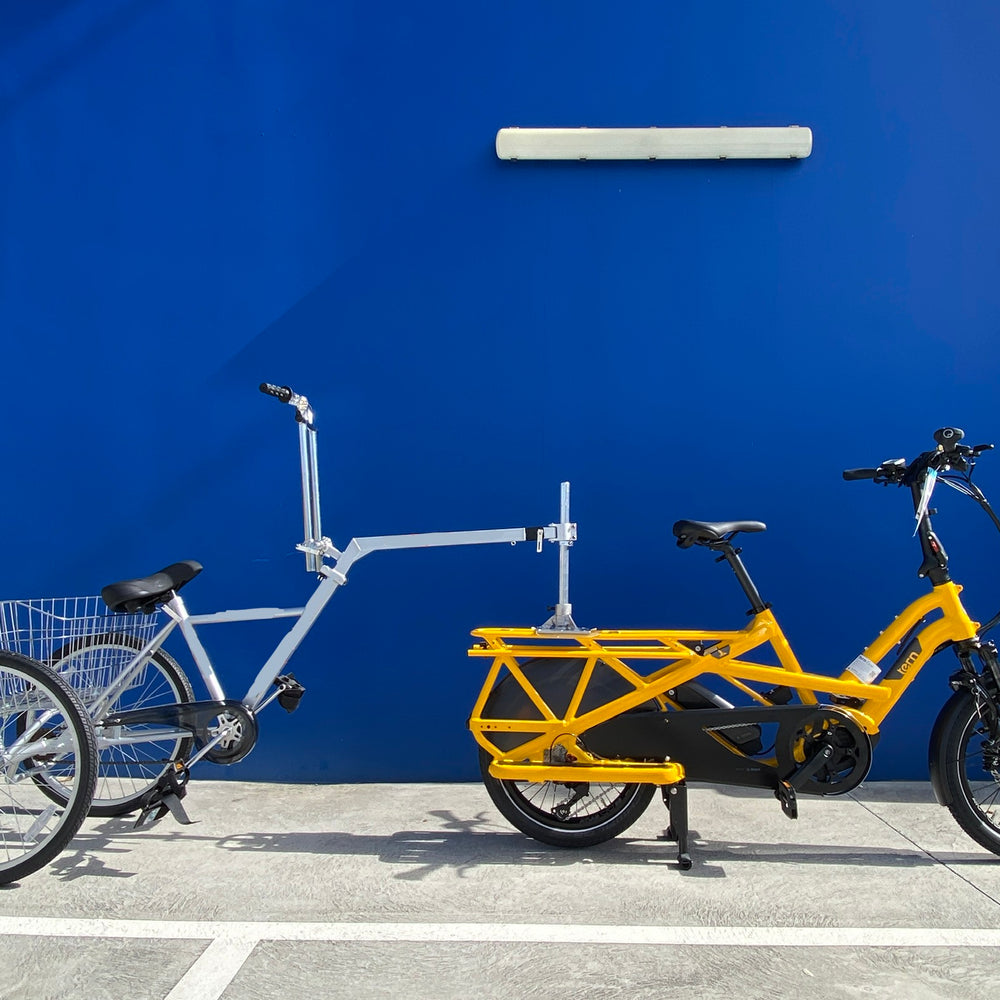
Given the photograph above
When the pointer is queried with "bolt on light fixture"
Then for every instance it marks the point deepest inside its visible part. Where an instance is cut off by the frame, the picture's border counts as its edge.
(791, 142)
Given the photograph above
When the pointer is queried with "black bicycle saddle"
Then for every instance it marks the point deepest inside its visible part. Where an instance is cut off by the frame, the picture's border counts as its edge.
(144, 593)
(704, 532)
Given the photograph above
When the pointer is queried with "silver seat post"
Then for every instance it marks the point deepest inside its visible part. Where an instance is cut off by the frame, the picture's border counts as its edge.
(565, 535)
(564, 610)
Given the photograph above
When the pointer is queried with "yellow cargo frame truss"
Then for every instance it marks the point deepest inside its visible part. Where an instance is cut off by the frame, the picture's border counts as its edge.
(655, 662)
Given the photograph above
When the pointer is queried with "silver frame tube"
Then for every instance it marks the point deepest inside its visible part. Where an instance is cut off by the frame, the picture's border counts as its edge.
(335, 576)
(332, 577)
(317, 550)
(123, 680)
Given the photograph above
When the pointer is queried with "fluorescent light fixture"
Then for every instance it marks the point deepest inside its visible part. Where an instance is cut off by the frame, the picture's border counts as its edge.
(792, 142)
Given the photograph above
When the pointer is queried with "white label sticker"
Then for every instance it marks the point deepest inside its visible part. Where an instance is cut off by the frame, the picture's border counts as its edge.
(864, 669)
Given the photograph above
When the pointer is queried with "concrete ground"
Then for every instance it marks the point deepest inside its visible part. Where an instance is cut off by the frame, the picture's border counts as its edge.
(415, 891)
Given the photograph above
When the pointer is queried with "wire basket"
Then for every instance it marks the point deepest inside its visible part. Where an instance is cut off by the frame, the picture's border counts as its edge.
(77, 636)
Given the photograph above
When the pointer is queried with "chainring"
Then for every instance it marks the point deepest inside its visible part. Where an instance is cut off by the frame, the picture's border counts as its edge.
(241, 739)
(799, 741)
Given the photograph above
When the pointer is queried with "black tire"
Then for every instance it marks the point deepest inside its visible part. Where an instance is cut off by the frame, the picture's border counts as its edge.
(36, 704)
(126, 771)
(967, 772)
(600, 815)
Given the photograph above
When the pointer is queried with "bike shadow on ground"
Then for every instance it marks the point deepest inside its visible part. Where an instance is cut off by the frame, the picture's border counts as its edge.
(461, 844)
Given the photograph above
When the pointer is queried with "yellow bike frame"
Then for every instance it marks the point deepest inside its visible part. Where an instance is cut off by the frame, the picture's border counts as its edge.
(657, 661)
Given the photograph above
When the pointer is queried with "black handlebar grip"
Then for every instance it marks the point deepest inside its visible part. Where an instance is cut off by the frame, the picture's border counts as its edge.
(948, 437)
(281, 392)
(852, 474)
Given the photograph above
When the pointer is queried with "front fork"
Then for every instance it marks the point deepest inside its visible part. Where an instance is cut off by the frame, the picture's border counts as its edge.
(984, 684)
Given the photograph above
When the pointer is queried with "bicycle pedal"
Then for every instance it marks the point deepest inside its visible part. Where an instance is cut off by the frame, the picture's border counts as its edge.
(292, 694)
(785, 794)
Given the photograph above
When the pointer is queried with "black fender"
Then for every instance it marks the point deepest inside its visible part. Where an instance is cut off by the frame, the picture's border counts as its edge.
(939, 736)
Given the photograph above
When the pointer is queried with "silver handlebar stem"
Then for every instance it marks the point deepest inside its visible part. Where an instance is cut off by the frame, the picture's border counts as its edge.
(314, 543)
(310, 493)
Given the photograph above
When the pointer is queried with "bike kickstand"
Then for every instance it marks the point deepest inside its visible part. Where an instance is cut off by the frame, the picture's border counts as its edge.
(166, 797)
(675, 799)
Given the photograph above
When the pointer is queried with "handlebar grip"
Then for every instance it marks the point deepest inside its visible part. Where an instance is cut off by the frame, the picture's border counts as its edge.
(852, 474)
(282, 392)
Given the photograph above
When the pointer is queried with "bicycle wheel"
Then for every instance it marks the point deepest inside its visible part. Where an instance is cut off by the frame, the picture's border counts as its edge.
(126, 770)
(969, 763)
(44, 730)
(549, 811)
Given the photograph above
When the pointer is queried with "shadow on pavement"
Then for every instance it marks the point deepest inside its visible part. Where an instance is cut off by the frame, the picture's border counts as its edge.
(462, 844)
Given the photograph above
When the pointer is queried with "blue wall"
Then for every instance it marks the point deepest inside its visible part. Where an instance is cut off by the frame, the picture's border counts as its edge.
(197, 197)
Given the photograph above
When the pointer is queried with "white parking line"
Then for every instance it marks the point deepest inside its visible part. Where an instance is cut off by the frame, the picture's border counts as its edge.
(232, 942)
(642, 934)
(214, 969)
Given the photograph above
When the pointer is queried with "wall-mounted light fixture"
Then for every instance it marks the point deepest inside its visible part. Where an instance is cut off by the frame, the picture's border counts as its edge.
(792, 142)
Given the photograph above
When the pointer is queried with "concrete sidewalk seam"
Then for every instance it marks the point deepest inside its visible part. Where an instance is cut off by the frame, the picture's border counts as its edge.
(923, 850)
